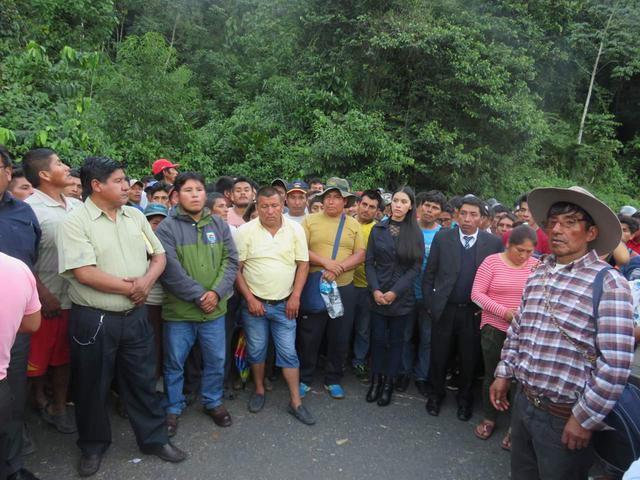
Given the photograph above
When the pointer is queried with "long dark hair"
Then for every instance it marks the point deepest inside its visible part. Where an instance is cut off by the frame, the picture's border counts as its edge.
(410, 248)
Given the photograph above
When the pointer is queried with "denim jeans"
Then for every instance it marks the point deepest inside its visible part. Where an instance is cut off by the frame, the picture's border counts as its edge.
(362, 326)
(283, 331)
(386, 349)
(179, 337)
(412, 363)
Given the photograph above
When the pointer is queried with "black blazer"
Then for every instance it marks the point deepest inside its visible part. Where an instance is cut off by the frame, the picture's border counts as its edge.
(443, 266)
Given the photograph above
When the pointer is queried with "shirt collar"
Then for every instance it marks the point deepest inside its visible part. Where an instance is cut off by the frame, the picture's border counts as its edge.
(586, 260)
(47, 200)
(7, 197)
(95, 212)
(473, 235)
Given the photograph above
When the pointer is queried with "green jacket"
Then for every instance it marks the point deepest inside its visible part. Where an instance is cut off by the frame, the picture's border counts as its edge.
(200, 257)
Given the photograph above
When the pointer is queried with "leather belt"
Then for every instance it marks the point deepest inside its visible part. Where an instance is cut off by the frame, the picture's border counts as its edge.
(124, 313)
(272, 302)
(561, 410)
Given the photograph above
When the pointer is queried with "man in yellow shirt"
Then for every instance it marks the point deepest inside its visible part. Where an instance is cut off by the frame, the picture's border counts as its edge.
(274, 263)
(368, 206)
(321, 230)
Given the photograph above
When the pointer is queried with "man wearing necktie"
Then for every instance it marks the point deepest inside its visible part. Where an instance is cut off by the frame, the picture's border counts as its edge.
(453, 261)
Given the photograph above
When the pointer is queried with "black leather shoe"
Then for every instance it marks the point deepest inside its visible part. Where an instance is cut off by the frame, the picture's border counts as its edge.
(402, 383)
(166, 452)
(374, 389)
(433, 407)
(22, 474)
(421, 385)
(387, 392)
(464, 413)
(89, 464)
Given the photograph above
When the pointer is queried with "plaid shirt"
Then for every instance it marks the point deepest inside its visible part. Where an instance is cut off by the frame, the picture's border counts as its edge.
(540, 358)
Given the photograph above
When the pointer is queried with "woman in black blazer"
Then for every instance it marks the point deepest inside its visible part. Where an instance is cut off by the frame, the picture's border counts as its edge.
(394, 257)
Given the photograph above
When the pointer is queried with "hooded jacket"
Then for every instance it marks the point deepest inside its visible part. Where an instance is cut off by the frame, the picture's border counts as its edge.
(201, 256)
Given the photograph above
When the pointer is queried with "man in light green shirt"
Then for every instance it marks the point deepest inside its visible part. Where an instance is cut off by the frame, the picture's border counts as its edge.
(103, 249)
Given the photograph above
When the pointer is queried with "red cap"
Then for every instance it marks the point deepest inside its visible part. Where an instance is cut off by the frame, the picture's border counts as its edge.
(162, 163)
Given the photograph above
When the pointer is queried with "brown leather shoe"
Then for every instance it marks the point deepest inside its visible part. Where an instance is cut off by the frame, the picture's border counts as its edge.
(220, 416)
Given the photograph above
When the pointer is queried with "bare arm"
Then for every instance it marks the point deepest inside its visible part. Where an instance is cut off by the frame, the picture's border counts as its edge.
(352, 261)
(30, 323)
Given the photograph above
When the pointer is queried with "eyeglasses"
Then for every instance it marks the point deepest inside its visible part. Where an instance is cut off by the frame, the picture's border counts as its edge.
(566, 224)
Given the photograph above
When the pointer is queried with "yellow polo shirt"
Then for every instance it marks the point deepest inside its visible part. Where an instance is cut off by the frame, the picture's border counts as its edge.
(270, 261)
(89, 237)
(321, 232)
(359, 276)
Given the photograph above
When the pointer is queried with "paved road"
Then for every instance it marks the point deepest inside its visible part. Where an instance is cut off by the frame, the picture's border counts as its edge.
(352, 440)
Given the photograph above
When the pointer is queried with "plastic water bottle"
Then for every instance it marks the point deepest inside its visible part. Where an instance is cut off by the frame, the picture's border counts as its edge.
(331, 297)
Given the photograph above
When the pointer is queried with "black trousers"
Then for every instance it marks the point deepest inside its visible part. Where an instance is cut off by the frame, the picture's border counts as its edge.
(310, 332)
(100, 341)
(17, 378)
(387, 342)
(458, 325)
(5, 416)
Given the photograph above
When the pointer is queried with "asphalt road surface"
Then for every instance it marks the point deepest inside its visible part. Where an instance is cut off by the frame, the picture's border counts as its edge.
(351, 440)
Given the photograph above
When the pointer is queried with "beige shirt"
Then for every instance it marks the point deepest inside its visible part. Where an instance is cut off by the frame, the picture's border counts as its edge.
(51, 215)
(89, 237)
(270, 261)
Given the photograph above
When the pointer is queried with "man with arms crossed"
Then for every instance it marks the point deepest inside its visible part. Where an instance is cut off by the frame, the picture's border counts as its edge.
(274, 263)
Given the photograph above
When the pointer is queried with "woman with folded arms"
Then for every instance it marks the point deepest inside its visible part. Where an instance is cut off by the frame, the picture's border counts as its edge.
(394, 257)
(497, 289)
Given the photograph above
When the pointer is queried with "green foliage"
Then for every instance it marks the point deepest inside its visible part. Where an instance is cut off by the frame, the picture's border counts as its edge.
(472, 96)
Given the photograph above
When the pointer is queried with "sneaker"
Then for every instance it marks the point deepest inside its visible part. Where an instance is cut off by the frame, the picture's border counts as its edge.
(335, 391)
(361, 372)
(304, 388)
(302, 414)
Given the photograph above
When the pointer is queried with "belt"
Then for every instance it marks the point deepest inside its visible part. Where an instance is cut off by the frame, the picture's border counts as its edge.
(123, 313)
(561, 410)
(273, 302)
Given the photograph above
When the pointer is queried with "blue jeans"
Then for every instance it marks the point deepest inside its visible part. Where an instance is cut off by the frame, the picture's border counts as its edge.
(412, 363)
(179, 337)
(283, 331)
(362, 326)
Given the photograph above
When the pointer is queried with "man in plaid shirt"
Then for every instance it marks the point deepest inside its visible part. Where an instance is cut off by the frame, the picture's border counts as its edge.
(570, 373)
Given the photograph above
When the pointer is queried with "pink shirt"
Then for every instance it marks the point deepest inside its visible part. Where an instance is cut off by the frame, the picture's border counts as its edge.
(497, 288)
(234, 219)
(18, 297)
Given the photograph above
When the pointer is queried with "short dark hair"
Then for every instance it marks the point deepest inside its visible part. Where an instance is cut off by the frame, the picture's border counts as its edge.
(97, 168)
(433, 196)
(521, 199)
(243, 180)
(564, 208)
(246, 216)
(448, 208)
(212, 197)
(224, 184)
(508, 215)
(156, 187)
(146, 179)
(5, 156)
(631, 222)
(473, 201)
(373, 195)
(316, 180)
(266, 191)
(455, 202)
(75, 172)
(499, 208)
(315, 199)
(521, 234)
(18, 172)
(36, 161)
(184, 177)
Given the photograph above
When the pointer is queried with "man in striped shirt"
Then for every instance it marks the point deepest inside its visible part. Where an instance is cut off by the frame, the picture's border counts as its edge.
(570, 371)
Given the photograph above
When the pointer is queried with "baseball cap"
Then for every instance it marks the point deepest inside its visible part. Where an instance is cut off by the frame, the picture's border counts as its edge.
(297, 186)
(279, 181)
(134, 181)
(162, 163)
(339, 184)
(155, 209)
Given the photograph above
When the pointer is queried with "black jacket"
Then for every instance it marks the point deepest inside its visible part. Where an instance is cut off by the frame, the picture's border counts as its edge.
(443, 266)
(384, 273)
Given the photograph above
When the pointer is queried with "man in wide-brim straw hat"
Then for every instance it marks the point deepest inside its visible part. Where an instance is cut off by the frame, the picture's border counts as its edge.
(570, 373)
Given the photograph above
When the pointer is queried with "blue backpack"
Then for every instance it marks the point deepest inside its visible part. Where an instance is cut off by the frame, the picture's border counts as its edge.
(619, 448)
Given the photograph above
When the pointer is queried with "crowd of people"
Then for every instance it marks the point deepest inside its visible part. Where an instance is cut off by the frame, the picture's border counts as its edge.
(145, 288)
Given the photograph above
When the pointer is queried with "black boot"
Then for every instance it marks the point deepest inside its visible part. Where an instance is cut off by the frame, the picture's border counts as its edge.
(387, 391)
(374, 390)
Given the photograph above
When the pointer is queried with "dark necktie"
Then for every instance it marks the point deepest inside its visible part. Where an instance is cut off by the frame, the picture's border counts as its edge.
(467, 242)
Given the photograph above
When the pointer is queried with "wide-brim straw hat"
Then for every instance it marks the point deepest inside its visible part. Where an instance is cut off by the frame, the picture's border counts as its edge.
(540, 201)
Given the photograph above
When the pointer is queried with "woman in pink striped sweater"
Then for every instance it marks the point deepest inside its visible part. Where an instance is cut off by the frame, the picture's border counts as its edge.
(497, 289)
